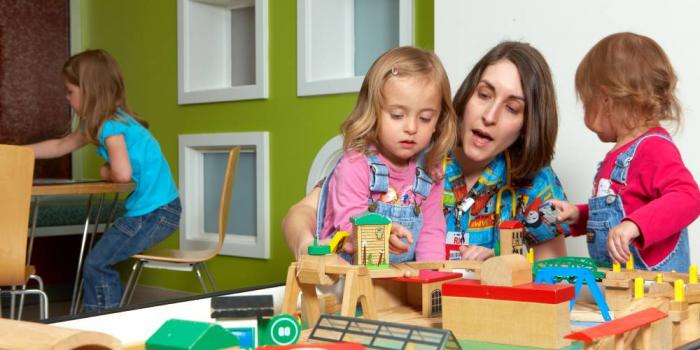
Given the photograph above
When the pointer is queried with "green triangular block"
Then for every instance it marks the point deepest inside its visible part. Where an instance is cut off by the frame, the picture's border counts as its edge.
(180, 334)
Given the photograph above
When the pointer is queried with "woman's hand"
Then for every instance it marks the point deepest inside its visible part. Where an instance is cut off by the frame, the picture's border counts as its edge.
(475, 252)
(619, 239)
(568, 213)
(396, 245)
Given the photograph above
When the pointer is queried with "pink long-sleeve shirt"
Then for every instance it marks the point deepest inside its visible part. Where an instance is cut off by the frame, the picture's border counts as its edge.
(348, 195)
(661, 196)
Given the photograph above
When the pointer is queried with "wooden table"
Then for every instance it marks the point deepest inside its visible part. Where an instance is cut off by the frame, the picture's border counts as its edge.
(64, 187)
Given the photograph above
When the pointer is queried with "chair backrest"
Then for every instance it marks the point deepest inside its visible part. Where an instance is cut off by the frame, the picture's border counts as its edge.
(16, 175)
(226, 193)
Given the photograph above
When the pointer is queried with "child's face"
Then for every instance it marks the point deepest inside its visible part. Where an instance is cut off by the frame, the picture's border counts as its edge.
(408, 118)
(599, 121)
(73, 96)
(494, 114)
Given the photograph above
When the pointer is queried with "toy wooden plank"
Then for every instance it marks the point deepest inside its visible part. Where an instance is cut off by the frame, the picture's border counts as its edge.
(428, 276)
(530, 292)
(29, 335)
(618, 326)
(651, 275)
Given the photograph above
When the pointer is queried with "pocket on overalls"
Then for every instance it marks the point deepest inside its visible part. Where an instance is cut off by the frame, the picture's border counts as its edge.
(597, 239)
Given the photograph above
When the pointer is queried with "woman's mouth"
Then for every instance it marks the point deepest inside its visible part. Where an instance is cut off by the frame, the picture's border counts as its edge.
(481, 138)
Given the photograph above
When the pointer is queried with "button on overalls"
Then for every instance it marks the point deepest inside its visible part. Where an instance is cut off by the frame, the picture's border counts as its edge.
(607, 211)
(408, 216)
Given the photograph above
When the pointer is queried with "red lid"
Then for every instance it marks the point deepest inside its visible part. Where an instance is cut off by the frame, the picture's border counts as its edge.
(530, 292)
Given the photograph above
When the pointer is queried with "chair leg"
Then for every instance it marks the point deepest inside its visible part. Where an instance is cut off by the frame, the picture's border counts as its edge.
(131, 283)
(211, 280)
(43, 300)
(199, 275)
(133, 286)
(40, 282)
(125, 292)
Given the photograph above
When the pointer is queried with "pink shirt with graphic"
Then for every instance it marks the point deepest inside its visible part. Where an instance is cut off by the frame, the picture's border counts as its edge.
(661, 196)
(348, 195)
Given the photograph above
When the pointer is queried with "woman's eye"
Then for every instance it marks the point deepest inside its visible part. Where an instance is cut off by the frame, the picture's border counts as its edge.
(513, 109)
(483, 95)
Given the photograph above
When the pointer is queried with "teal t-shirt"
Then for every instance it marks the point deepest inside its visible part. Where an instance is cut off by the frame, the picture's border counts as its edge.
(150, 171)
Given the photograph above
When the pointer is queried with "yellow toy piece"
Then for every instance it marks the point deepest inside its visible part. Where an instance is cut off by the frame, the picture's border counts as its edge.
(338, 240)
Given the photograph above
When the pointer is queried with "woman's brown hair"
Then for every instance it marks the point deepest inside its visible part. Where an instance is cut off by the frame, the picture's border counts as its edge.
(360, 128)
(634, 72)
(534, 147)
(97, 75)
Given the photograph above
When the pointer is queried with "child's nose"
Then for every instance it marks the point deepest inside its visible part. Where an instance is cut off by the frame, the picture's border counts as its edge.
(411, 125)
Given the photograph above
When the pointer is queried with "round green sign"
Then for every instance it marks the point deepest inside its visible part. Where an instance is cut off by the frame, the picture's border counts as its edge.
(284, 329)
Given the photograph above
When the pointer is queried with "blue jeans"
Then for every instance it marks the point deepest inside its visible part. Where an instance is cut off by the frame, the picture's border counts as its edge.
(127, 236)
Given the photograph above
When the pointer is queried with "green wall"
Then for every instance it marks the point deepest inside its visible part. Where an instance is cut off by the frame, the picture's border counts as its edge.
(142, 36)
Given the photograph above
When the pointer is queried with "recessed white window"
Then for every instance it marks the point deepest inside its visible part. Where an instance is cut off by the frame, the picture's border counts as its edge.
(222, 50)
(337, 40)
(202, 165)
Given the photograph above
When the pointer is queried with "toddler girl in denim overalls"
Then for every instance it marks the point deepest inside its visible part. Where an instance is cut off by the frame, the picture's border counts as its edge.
(401, 128)
(643, 196)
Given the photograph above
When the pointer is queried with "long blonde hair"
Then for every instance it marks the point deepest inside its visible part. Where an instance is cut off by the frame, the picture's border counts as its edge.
(97, 75)
(360, 128)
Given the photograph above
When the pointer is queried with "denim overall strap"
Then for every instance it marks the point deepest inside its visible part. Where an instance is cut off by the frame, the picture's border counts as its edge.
(619, 173)
(606, 212)
(423, 182)
(379, 174)
(322, 201)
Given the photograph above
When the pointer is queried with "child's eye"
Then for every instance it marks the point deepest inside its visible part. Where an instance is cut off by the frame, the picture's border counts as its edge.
(426, 118)
(396, 115)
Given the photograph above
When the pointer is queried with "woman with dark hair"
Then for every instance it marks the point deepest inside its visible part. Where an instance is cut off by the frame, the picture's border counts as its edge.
(507, 115)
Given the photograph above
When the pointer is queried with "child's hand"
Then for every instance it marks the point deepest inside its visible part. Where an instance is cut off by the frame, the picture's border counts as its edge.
(105, 171)
(396, 245)
(475, 252)
(568, 213)
(619, 239)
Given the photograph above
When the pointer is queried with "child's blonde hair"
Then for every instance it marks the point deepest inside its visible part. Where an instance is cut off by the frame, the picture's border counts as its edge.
(635, 73)
(97, 75)
(360, 129)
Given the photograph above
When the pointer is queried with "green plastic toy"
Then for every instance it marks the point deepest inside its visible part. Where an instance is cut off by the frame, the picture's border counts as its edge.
(181, 334)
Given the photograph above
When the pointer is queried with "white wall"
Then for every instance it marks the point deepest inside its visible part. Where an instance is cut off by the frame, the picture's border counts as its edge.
(564, 31)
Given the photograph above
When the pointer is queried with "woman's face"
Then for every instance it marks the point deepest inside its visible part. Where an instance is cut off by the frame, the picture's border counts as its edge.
(494, 113)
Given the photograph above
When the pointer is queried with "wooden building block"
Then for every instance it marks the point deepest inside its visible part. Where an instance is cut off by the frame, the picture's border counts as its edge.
(618, 283)
(532, 292)
(506, 270)
(30, 335)
(389, 294)
(311, 269)
(660, 290)
(618, 298)
(507, 322)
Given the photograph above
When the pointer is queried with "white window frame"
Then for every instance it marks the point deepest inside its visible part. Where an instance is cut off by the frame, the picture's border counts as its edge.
(308, 87)
(191, 158)
(258, 90)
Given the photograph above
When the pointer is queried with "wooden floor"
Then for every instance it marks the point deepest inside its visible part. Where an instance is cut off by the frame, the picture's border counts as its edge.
(61, 306)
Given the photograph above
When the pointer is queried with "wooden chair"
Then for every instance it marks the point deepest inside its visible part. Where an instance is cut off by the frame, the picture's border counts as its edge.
(188, 260)
(16, 175)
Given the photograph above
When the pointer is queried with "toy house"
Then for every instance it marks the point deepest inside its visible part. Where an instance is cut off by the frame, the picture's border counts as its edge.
(422, 292)
(511, 236)
(371, 232)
